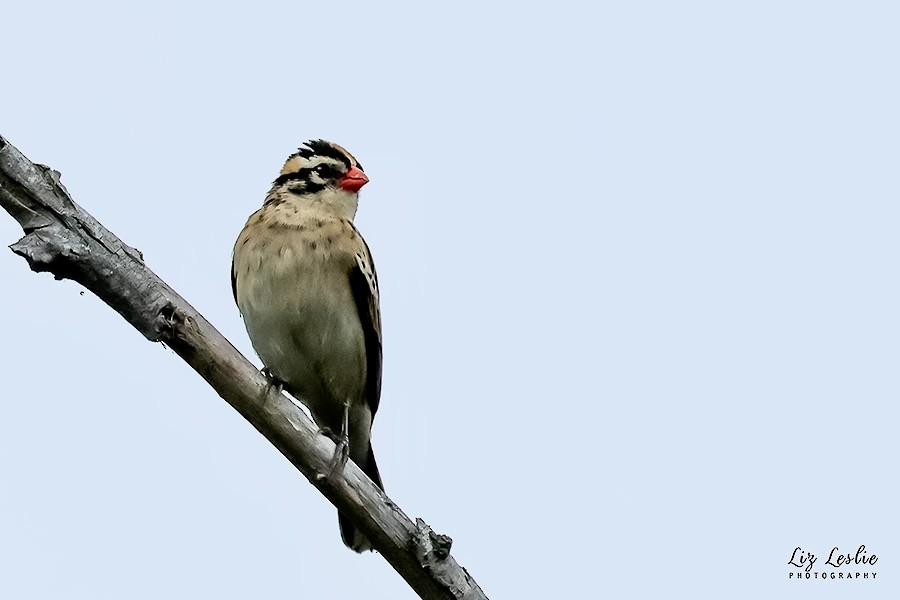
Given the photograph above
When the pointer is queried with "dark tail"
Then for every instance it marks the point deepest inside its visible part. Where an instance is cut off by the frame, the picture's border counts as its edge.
(352, 537)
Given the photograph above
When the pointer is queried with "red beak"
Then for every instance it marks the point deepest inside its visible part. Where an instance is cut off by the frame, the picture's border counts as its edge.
(353, 180)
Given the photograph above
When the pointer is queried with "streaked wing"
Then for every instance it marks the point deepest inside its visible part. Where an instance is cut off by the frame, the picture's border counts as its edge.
(364, 285)
(234, 283)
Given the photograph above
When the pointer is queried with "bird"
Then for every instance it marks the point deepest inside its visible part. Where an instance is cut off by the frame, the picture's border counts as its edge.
(305, 284)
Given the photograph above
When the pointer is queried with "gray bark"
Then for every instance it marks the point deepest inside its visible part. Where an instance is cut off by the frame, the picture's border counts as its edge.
(60, 237)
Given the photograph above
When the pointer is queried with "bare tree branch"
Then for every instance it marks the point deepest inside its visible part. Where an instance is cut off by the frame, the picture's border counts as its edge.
(60, 237)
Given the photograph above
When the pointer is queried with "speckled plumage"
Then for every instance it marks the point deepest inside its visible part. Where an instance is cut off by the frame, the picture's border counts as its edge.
(306, 286)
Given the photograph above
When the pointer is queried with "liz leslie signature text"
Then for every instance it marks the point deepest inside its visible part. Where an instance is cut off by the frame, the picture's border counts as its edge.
(836, 558)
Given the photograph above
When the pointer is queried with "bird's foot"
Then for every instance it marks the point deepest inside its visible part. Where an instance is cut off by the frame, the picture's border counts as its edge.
(341, 453)
(272, 383)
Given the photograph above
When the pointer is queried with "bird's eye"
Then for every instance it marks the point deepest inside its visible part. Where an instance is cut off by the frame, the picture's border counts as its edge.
(326, 171)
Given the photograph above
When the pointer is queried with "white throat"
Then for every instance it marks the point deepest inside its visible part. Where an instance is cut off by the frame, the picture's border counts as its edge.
(338, 202)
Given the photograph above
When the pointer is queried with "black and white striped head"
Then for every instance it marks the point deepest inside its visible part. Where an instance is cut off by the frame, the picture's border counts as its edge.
(321, 168)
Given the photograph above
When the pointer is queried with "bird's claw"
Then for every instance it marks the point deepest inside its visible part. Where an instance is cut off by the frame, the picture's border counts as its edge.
(272, 383)
(341, 453)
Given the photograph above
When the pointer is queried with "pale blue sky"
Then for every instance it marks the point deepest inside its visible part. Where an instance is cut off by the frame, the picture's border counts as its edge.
(638, 271)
